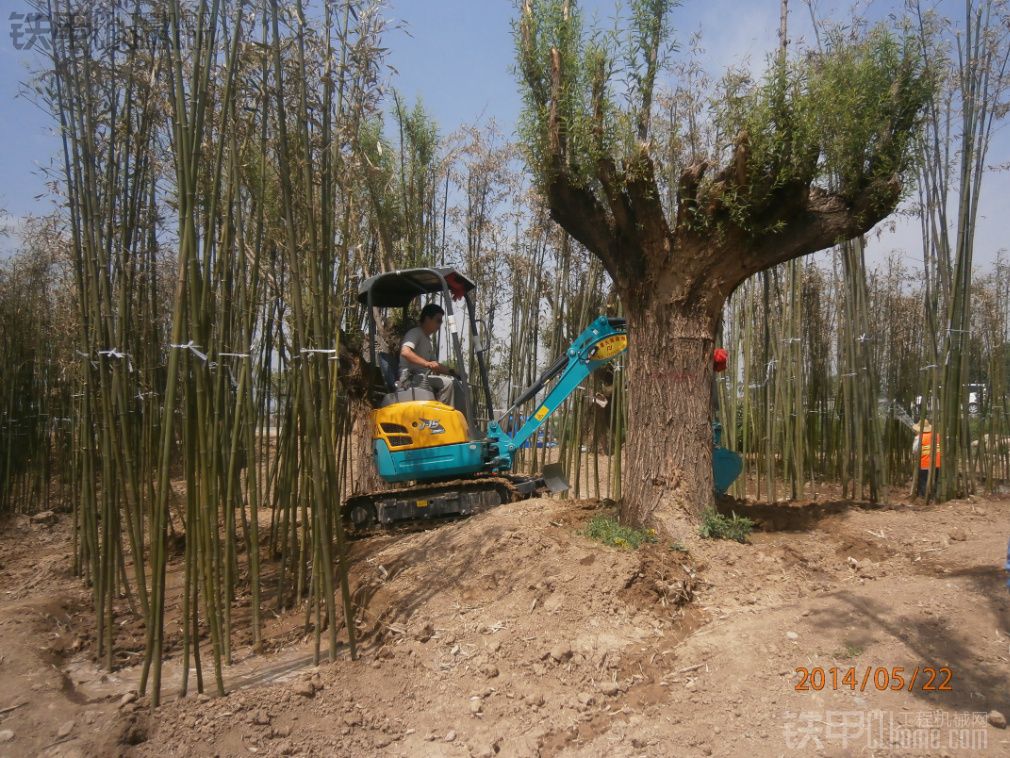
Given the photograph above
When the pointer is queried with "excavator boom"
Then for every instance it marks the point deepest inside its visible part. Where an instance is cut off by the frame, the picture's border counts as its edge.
(598, 344)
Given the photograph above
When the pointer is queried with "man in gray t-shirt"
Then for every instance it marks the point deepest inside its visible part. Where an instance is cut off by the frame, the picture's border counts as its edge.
(417, 359)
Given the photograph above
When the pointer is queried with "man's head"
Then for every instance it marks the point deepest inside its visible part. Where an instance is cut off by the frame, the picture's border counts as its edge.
(431, 318)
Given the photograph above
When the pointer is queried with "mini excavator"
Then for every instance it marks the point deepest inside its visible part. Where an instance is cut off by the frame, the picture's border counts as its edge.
(456, 462)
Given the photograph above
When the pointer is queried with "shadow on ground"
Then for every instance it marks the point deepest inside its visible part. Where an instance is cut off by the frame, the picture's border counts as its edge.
(795, 516)
(975, 684)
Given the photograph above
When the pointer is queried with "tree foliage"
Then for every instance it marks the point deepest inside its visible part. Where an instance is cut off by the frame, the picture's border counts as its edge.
(841, 118)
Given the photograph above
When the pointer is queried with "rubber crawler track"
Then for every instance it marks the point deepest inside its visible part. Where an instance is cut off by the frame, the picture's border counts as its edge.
(504, 486)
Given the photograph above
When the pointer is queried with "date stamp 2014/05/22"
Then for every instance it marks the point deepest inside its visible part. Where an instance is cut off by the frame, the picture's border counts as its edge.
(875, 678)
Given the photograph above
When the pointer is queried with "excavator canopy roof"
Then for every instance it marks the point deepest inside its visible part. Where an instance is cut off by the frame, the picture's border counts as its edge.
(397, 288)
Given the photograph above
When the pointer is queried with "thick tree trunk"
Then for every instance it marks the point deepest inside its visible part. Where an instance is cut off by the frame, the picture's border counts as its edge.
(668, 470)
(366, 478)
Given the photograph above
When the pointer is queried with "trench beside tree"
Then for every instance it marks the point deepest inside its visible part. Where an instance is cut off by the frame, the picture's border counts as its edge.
(814, 155)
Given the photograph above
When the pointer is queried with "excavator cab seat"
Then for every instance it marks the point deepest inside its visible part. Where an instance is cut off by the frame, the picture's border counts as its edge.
(406, 395)
(389, 365)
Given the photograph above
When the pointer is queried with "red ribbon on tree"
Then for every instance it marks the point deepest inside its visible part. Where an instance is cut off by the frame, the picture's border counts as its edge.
(719, 358)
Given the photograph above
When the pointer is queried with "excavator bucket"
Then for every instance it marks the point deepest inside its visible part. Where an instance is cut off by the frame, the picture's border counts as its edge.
(726, 467)
(554, 477)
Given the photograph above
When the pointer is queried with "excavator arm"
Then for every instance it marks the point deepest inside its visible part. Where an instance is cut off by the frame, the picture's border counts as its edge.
(597, 345)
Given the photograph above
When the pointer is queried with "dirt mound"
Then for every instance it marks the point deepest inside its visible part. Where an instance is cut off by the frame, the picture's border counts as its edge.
(502, 630)
(511, 569)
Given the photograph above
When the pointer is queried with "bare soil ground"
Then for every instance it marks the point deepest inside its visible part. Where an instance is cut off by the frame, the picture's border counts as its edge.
(512, 633)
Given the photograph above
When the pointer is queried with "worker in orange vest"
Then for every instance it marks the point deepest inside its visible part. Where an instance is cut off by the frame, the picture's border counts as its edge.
(925, 439)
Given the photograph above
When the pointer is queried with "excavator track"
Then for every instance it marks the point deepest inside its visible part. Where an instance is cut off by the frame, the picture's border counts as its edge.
(429, 503)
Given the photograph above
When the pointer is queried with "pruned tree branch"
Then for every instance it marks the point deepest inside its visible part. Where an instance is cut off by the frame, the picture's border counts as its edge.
(582, 215)
(652, 231)
(819, 220)
(687, 195)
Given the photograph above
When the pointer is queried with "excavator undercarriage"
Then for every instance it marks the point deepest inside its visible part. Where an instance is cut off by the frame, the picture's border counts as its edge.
(423, 505)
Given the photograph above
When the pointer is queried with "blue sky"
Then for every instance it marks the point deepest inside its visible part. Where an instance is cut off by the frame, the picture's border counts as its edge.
(457, 55)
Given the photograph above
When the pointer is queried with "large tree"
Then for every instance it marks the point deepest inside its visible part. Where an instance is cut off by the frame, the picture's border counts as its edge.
(815, 154)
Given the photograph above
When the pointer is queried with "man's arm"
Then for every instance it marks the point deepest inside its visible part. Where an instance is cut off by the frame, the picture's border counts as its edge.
(413, 358)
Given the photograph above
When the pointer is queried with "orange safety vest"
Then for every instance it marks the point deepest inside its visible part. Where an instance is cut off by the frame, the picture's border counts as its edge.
(926, 450)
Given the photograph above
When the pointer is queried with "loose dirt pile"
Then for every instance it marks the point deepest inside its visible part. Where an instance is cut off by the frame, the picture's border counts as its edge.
(512, 633)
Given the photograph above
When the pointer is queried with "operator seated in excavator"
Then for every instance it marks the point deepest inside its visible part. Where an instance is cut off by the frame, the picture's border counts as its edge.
(418, 367)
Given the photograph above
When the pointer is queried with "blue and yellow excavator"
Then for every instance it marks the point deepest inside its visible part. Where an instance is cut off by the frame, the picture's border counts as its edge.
(458, 461)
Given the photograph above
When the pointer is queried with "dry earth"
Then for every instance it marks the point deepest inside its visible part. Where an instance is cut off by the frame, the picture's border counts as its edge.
(513, 634)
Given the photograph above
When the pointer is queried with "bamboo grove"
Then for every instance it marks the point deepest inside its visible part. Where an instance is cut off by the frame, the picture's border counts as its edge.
(183, 366)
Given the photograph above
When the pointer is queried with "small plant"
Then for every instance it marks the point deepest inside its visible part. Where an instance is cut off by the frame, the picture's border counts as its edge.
(610, 531)
(678, 547)
(718, 527)
(851, 651)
